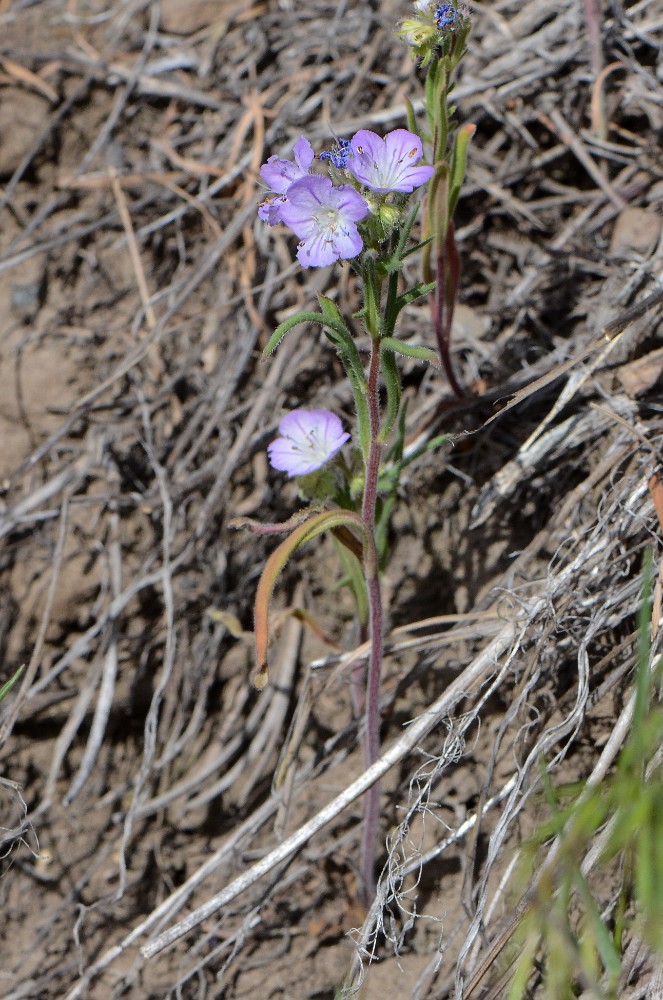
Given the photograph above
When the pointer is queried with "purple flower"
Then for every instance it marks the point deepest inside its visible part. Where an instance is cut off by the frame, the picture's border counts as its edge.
(324, 217)
(309, 439)
(388, 164)
(280, 174)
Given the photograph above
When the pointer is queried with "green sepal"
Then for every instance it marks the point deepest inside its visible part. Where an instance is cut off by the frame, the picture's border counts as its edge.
(410, 351)
(393, 263)
(318, 486)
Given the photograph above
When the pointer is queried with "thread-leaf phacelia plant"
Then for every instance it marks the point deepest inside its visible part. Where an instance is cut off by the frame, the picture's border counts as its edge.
(361, 210)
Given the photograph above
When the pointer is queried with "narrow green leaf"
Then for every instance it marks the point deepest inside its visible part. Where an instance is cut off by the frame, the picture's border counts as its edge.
(333, 323)
(391, 309)
(358, 383)
(411, 117)
(332, 313)
(384, 511)
(416, 247)
(8, 685)
(429, 92)
(355, 579)
(410, 351)
(436, 220)
(392, 381)
(418, 452)
(287, 325)
(524, 967)
(372, 294)
(415, 293)
(458, 164)
(338, 334)
(324, 521)
(604, 943)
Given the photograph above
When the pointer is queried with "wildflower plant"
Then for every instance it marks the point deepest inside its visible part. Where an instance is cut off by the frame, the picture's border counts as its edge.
(362, 211)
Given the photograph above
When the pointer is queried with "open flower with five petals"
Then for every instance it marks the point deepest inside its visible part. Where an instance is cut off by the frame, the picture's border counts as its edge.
(325, 219)
(388, 164)
(309, 438)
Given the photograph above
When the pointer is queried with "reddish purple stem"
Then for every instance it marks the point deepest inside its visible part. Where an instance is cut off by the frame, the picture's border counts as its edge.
(443, 303)
(372, 707)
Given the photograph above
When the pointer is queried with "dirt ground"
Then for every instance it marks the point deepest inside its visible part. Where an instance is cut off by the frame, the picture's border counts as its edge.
(137, 290)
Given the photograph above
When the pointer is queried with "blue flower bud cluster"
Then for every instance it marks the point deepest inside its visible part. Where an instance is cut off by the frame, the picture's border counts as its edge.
(446, 16)
(339, 155)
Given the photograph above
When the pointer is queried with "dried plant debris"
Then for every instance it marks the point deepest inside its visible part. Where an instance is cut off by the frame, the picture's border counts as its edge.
(139, 289)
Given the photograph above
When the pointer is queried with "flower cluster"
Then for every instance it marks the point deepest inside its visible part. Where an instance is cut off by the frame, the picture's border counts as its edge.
(445, 15)
(325, 216)
(435, 24)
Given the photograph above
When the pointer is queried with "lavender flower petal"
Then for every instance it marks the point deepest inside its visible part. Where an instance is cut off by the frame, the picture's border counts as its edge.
(270, 209)
(279, 173)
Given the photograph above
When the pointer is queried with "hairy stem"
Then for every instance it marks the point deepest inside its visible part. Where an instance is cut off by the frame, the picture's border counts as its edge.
(372, 707)
(358, 676)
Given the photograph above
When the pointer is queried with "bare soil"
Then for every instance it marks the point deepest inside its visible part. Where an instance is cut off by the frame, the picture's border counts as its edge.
(137, 290)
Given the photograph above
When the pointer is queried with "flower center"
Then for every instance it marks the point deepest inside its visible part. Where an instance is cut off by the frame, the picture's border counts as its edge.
(328, 222)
